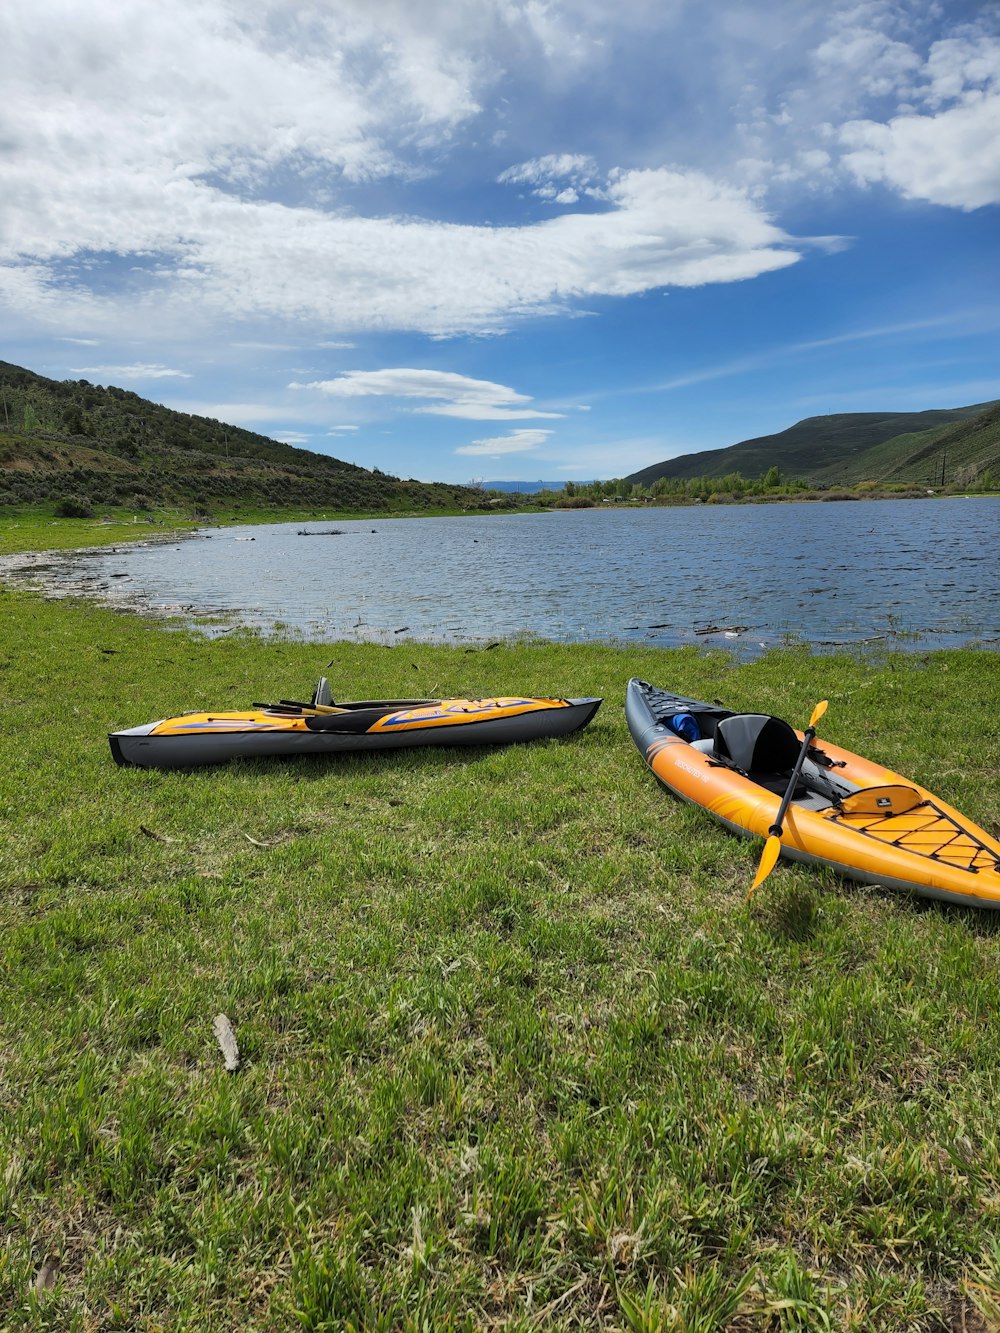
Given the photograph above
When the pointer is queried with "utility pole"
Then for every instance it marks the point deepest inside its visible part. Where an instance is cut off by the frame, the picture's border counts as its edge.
(944, 459)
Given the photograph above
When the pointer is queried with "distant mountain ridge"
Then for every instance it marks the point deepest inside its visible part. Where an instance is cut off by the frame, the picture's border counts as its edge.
(105, 446)
(849, 447)
(523, 487)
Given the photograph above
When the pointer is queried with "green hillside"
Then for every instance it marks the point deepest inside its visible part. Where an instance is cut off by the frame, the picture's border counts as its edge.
(102, 446)
(816, 449)
(956, 455)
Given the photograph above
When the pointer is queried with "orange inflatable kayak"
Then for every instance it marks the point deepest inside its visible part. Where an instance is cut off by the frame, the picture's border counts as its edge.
(860, 819)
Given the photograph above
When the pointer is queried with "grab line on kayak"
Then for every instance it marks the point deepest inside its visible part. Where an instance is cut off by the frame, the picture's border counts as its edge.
(979, 849)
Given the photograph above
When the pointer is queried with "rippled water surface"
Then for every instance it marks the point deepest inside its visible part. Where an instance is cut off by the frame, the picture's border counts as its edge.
(917, 573)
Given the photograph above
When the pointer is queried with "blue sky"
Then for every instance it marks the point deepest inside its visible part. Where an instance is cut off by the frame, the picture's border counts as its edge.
(502, 239)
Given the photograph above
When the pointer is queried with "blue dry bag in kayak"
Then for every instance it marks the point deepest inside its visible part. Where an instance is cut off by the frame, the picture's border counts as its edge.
(685, 725)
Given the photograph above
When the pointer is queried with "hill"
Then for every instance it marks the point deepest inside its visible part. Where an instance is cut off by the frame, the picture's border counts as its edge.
(958, 454)
(818, 449)
(95, 446)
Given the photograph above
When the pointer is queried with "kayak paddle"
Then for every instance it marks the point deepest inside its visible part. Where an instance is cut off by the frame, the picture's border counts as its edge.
(772, 847)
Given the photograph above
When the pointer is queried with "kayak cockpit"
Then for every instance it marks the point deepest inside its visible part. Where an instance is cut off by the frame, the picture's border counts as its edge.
(763, 749)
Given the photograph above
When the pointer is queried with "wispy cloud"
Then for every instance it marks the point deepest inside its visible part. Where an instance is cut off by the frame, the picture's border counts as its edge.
(517, 442)
(256, 260)
(136, 372)
(250, 415)
(453, 395)
(558, 177)
(958, 322)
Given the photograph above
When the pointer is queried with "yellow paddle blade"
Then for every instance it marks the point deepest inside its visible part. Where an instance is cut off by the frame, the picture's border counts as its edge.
(818, 711)
(772, 848)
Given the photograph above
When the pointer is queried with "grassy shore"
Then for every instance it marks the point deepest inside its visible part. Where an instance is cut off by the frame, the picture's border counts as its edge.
(514, 1051)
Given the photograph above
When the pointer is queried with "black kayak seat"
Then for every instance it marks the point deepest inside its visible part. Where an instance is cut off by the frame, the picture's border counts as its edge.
(757, 742)
(763, 747)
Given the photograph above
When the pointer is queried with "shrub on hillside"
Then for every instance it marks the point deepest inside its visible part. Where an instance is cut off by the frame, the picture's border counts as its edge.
(74, 506)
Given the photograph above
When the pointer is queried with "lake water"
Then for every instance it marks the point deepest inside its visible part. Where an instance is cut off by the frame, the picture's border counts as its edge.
(914, 573)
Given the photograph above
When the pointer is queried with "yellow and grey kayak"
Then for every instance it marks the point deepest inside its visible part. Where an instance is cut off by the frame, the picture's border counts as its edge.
(318, 728)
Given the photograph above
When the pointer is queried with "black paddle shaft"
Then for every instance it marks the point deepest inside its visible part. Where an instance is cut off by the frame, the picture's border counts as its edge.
(807, 739)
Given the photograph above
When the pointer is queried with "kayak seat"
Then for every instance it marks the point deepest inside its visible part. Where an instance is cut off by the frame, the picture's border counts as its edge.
(763, 748)
(757, 743)
(322, 694)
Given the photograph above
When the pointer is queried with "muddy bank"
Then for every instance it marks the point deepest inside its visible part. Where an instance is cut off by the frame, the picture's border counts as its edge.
(59, 574)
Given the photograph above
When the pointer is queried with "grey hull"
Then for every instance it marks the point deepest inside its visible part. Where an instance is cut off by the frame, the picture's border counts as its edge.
(136, 747)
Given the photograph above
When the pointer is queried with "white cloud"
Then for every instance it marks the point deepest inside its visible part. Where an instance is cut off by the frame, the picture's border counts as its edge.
(189, 169)
(873, 62)
(957, 64)
(236, 259)
(551, 166)
(864, 91)
(404, 383)
(942, 144)
(453, 395)
(517, 442)
(484, 412)
(250, 415)
(545, 175)
(135, 372)
(213, 89)
(951, 158)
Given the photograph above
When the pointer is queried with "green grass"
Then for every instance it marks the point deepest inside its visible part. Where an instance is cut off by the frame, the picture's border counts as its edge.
(515, 1052)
